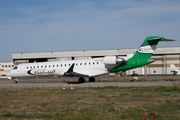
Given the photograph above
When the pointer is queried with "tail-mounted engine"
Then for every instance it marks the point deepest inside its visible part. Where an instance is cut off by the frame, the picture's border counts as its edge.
(112, 60)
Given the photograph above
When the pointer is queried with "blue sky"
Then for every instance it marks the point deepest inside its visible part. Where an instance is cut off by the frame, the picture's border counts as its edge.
(60, 25)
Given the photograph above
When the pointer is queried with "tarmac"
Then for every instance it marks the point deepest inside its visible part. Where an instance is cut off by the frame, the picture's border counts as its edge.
(100, 82)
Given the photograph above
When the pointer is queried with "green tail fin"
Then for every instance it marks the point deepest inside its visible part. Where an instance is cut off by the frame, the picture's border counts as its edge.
(142, 56)
(146, 50)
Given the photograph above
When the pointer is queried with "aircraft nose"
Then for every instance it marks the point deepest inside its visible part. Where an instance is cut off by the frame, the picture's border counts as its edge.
(9, 75)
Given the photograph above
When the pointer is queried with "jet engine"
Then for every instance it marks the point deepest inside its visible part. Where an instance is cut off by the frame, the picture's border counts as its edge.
(112, 60)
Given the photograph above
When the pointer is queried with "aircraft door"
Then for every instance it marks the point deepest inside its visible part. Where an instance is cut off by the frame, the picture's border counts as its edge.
(21, 70)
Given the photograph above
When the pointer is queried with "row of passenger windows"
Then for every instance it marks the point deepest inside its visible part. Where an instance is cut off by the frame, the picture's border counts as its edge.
(61, 65)
(5, 66)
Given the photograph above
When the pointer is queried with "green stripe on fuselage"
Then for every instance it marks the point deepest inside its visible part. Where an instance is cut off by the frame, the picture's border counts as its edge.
(133, 62)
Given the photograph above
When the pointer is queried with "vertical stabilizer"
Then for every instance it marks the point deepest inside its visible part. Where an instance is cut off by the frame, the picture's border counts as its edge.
(174, 69)
(143, 54)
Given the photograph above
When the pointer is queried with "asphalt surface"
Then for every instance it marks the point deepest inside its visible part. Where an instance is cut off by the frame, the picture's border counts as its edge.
(100, 82)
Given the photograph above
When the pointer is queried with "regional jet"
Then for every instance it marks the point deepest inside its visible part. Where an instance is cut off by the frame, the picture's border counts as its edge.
(90, 67)
(174, 69)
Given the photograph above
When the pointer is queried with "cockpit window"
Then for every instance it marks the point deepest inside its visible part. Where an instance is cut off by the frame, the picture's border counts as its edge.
(15, 68)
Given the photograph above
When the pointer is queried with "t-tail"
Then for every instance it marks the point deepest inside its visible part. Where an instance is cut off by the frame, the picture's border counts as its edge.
(143, 54)
(174, 69)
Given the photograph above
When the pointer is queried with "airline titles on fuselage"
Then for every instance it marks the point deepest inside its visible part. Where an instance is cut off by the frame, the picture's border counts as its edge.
(41, 71)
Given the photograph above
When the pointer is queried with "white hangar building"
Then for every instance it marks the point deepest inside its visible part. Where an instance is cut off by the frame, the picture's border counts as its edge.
(163, 58)
(5, 67)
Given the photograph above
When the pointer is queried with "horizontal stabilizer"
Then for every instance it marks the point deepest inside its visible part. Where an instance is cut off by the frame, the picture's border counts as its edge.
(168, 40)
(159, 39)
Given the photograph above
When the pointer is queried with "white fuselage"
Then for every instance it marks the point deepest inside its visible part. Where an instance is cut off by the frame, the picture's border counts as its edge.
(89, 67)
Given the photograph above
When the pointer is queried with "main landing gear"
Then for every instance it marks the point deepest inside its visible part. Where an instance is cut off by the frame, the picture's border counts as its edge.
(82, 80)
(91, 79)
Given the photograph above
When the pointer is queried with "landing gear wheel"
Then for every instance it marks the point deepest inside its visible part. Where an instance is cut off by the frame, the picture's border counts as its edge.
(91, 79)
(15, 81)
(81, 80)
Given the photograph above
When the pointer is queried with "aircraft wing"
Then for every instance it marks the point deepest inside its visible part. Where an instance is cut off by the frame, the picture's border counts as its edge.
(89, 72)
(83, 72)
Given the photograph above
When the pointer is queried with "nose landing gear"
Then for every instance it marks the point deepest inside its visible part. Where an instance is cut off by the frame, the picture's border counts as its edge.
(15, 80)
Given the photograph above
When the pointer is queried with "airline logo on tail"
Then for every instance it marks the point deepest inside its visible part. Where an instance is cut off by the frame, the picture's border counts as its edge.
(146, 49)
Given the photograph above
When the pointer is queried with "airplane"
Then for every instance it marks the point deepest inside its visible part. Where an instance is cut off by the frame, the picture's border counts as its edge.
(174, 69)
(90, 67)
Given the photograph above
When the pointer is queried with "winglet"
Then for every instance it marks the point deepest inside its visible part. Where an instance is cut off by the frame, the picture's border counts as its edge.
(71, 68)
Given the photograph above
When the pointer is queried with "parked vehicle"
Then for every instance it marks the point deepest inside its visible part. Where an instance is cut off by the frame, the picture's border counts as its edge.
(134, 74)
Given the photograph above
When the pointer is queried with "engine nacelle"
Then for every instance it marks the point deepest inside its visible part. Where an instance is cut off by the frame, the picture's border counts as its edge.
(112, 60)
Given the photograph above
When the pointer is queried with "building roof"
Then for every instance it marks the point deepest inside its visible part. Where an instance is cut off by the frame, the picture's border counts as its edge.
(82, 53)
